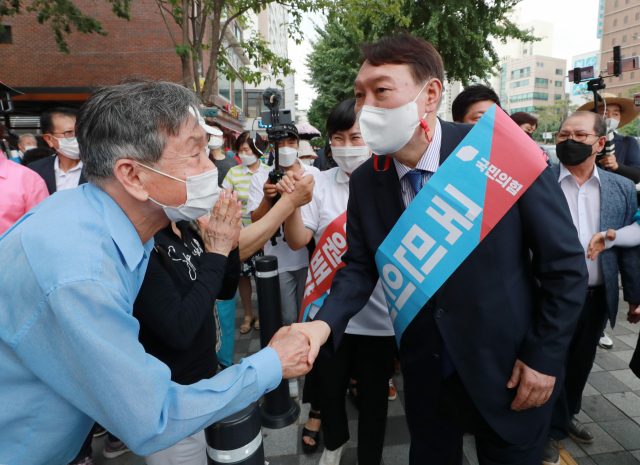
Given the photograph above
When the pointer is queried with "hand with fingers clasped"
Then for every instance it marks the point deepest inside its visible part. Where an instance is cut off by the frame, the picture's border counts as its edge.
(296, 187)
(221, 231)
(292, 348)
(534, 388)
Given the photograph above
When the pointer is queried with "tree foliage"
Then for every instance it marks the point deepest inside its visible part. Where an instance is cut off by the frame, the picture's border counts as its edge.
(459, 29)
(550, 118)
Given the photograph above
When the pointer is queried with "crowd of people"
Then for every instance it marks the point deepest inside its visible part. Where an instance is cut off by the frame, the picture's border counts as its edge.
(126, 241)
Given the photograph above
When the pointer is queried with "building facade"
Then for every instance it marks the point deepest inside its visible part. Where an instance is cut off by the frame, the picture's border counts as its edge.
(530, 82)
(621, 26)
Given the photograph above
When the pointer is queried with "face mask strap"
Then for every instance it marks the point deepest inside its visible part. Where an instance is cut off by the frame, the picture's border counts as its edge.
(160, 172)
(423, 122)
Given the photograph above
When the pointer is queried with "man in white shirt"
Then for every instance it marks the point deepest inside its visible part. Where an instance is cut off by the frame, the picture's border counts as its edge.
(26, 142)
(64, 170)
(292, 265)
(597, 199)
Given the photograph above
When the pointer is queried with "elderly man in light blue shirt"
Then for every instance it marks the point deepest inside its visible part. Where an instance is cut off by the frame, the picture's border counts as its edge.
(70, 271)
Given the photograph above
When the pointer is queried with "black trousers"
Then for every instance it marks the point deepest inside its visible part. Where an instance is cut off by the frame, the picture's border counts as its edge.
(439, 412)
(370, 360)
(580, 357)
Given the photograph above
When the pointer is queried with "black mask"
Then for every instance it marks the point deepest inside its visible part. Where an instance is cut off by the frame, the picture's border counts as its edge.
(572, 153)
(530, 134)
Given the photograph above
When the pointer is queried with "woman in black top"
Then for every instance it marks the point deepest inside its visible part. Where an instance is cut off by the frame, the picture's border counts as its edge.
(175, 308)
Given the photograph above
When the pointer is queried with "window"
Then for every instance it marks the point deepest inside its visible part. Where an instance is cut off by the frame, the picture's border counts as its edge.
(237, 92)
(525, 82)
(624, 39)
(237, 32)
(542, 83)
(613, 41)
(525, 109)
(557, 97)
(5, 37)
(610, 80)
(558, 83)
(615, 22)
(626, 19)
(637, 16)
(525, 51)
(254, 104)
(626, 2)
(520, 73)
(632, 74)
(616, 6)
(559, 72)
(223, 87)
(529, 96)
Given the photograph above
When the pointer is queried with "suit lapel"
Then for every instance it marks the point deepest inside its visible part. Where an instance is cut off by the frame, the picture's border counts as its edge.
(389, 195)
(50, 176)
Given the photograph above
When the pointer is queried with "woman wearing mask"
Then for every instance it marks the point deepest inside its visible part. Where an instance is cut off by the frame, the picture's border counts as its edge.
(369, 344)
(187, 272)
(238, 178)
(223, 162)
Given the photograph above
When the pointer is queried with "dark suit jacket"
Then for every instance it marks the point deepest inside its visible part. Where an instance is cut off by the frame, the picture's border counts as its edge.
(627, 150)
(45, 169)
(618, 204)
(491, 311)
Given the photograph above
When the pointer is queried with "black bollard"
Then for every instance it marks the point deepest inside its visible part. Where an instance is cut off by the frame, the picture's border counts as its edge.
(236, 439)
(278, 409)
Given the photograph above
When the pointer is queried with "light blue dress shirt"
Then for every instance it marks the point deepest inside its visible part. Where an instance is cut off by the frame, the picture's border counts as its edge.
(70, 271)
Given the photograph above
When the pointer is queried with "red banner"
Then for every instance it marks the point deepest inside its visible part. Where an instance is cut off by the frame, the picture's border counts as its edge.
(325, 261)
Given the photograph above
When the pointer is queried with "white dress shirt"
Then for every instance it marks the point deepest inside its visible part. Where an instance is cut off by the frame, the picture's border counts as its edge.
(67, 180)
(428, 164)
(584, 203)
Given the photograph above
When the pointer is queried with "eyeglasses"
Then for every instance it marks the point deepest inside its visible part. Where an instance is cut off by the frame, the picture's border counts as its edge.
(578, 137)
(67, 134)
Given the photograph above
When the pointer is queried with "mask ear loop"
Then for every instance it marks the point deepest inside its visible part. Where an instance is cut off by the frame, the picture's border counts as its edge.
(426, 128)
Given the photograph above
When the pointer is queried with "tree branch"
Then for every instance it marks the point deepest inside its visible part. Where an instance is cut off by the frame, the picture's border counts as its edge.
(166, 23)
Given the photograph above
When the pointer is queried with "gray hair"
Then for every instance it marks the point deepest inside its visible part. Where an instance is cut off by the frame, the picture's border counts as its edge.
(130, 120)
(26, 136)
(599, 123)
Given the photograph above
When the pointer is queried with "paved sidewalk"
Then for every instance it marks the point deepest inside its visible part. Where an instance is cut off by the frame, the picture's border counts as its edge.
(610, 409)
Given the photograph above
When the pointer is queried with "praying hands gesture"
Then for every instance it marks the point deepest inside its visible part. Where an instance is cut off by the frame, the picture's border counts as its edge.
(221, 231)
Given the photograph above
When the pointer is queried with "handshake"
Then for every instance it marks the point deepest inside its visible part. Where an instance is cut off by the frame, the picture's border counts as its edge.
(298, 345)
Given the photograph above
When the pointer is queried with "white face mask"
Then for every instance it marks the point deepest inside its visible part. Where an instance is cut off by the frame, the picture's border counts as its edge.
(387, 130)
(215, 143)
(248, 160)
(29, 147)
(288, 156)
(308, 161)
(202, 195)
(69, 147)
(349, 158)
(612, 124)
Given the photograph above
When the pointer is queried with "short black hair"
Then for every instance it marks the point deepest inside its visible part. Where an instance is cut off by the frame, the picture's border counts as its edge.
(522, 117)
(342, 117)
(405, 49)
(245, 137)
(215, 124)
(46, 119)
(472, 94)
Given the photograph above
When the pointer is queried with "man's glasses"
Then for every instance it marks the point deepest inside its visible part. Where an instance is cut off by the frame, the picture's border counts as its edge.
(67, 134)
(578, 137)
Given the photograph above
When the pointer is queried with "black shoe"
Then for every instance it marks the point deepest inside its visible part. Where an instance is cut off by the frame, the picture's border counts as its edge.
(551, 454)
(99, 431)
(578, 432)
(314, 435)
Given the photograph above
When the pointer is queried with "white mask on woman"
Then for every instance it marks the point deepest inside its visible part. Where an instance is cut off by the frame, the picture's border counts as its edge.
(247, 160)
(349, 158)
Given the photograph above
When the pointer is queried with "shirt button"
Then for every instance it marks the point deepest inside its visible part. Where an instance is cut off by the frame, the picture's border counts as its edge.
(439, 313)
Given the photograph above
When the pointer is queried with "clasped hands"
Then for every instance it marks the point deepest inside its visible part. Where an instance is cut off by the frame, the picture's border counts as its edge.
(296, 187)
(298, 345)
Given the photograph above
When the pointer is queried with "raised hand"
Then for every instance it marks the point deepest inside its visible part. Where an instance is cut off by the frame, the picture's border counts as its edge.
(288, 182)
(596, 245)
(535, 388)
(303, 192)
(220, 232)
(292, 348)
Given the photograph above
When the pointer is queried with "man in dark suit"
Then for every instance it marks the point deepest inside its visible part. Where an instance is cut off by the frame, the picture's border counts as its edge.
(486, 353)
(63, 170)
(598, 200)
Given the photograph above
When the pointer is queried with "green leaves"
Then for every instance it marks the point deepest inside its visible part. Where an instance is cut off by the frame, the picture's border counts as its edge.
(459, 29)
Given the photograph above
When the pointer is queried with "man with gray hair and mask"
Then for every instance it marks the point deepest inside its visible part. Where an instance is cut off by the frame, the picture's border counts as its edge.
(69, 344)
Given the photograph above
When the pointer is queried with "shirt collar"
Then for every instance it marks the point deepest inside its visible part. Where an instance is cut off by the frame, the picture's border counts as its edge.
(56, 166)
(430, 159)
(3, 166)
(564, 172)
(246, 170)
(341, 176)
(120, 228)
